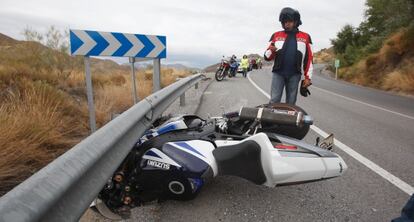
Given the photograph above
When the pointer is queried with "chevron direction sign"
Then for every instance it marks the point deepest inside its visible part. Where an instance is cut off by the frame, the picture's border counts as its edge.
(93, 43)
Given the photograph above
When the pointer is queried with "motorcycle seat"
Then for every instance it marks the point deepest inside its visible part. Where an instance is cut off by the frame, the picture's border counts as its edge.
(242, 160)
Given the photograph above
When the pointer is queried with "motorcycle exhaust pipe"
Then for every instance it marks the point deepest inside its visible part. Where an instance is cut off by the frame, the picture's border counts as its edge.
(274, 116)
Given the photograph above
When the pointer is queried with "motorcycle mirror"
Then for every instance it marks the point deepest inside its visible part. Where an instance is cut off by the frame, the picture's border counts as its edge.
(317, 141)
(328, 142)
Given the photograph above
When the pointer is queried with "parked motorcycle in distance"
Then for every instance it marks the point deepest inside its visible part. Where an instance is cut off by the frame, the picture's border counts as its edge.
(234, 65)
(222, 70)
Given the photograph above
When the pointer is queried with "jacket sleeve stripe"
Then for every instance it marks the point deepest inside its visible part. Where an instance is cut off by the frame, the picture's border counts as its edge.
(269, 54)
(309, 65)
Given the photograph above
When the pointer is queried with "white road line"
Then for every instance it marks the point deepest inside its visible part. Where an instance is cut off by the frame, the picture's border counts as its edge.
(257, 87)
(368, 163)
(367, 104)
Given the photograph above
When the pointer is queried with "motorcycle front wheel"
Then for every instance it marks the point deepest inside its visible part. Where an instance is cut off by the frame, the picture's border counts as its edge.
(220, 75)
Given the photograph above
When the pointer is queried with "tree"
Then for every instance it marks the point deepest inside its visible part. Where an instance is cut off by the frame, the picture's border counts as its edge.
(382, 18)
(32, 35)
(385, 17)
(57, 58)
(347, 36)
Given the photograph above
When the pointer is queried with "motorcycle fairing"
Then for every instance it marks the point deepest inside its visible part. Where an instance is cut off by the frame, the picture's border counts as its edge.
(194, 158)
(195, 155)
(287, 167)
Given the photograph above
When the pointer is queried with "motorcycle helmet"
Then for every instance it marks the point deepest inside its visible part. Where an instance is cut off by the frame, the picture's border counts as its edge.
(290, 14)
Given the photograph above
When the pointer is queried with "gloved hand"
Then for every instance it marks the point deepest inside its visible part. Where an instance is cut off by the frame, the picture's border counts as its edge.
(304, 91)
(307, 83)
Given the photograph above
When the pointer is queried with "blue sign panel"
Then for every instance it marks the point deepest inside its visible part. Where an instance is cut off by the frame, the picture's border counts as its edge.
(93, 43)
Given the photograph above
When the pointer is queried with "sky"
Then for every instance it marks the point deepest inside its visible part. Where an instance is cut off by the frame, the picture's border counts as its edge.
(198, 33)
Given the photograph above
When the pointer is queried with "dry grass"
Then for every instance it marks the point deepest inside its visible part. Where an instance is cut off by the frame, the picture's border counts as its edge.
(399, 81)
(324, 56)
(33, 132)
(43, 113)
(111, 99)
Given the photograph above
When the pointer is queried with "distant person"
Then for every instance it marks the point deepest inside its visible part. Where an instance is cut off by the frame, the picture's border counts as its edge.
(259, 63)
(291, 51)
(253, 63)
(245, 65)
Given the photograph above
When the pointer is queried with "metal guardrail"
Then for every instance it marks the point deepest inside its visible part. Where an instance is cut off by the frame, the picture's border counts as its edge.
(64, 189)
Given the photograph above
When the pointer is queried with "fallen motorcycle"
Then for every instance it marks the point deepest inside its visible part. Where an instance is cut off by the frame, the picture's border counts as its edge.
(174, 159)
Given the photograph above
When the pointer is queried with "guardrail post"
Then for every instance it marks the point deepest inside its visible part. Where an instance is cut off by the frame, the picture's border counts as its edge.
(182, 100)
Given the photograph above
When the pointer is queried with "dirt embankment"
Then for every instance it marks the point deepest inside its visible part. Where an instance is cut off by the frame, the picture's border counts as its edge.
(390, 69)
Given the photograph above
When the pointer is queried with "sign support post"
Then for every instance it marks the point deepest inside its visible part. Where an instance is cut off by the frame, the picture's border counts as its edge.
(134, 86)
(156, 80)
(336, 73)
(89, 93)
(336, 68)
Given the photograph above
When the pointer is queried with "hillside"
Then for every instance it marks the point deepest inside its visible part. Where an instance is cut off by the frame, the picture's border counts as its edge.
(324, 56)
(43, 108)
(7, 41)
(181, 67)
(391, 69)
(379, 52)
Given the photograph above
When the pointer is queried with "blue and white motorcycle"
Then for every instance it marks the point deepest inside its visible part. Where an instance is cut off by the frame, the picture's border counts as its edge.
(175, 158)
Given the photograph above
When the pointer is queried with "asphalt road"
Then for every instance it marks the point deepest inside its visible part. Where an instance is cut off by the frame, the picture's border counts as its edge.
(377, 125)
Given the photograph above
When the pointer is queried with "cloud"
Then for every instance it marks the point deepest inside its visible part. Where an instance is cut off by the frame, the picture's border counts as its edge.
(198, 32)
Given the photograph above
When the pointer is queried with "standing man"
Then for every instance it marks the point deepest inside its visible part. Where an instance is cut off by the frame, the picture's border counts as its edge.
(291, 51)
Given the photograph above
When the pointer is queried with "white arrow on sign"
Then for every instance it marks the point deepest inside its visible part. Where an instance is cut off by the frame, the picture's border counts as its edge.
(159, 47)
(136, 45)
(114, 44)
(88, 42)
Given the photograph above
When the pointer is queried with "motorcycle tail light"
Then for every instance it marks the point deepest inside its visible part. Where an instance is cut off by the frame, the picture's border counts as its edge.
(286, 147)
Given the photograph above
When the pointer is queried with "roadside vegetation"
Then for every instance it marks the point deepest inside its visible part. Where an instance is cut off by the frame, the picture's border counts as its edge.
(379, 52)
(43, 106)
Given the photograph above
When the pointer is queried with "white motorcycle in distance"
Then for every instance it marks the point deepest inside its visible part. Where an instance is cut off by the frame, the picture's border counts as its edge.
(174, 159)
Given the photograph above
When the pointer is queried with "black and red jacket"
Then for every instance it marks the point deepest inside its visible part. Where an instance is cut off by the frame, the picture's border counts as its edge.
(304, 52)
